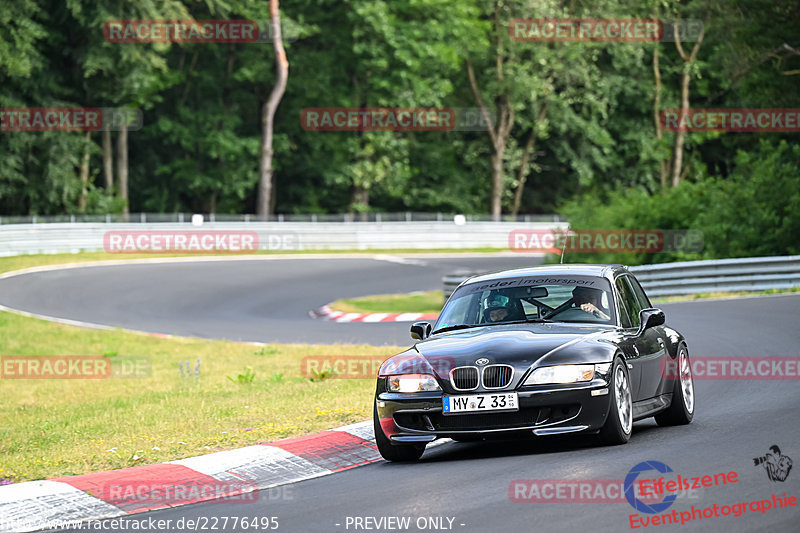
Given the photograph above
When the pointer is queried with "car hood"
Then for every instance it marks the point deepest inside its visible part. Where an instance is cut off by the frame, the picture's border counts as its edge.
(519, 345)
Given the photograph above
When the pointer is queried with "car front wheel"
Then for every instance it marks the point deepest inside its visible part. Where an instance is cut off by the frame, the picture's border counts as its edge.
(619, 423)
(394, 452)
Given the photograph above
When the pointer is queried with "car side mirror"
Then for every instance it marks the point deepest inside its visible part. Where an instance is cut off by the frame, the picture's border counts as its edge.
(420, 330)
(651, 317)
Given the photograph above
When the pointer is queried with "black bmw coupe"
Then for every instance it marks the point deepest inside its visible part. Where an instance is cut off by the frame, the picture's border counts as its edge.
(537, 351)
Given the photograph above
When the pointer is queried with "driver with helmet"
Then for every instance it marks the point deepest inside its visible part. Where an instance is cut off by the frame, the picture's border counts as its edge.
(590, 301)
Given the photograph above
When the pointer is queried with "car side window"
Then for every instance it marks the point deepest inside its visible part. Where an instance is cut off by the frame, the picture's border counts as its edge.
(624, 298)
(631, 303)
(638, 291)
(530, 309)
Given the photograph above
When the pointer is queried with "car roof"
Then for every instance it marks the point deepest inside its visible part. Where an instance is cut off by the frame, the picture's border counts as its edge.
(605, 271)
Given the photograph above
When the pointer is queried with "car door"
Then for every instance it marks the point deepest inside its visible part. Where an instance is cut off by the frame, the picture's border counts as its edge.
(627, 342)
(649, 344)
(652, 343)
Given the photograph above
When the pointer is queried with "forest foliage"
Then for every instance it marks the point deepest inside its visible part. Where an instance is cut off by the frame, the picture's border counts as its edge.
(573, 132)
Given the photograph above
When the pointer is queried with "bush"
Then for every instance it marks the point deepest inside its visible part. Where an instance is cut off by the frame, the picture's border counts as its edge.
(752, 212)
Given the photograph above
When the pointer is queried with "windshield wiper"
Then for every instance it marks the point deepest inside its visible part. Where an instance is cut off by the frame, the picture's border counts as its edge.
(527, 321)
(464, 326)
(456, 326)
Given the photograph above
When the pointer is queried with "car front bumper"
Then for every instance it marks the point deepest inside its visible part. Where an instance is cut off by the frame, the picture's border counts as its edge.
(543, 410)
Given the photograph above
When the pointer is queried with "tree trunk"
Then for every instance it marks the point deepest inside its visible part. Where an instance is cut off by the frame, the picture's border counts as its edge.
(108, 161)
(656, 118)
(360, 197)
(505, 119)
(497, 182)
(523, 172)
(524, 167)
(499, 135)
(85, 174)
(189, 75)
(273, 194)
(122, 169)
(680, 136)
(264, 200)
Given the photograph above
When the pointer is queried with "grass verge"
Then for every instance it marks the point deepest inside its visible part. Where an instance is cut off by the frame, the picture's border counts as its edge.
(707, 295)
(27, 261)
(59, 427)
(414, 302)
(56, 427)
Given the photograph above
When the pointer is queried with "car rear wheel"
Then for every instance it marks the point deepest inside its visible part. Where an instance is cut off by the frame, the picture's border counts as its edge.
(619, 423)
(394, 452)
(681, 410)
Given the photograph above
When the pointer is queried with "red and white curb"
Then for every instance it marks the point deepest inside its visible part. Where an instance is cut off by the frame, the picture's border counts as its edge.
(36, 505)
(326, 313)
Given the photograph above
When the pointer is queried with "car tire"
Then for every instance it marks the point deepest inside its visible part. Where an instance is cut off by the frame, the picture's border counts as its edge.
(681, 409)
(394, 452)
(619, 422)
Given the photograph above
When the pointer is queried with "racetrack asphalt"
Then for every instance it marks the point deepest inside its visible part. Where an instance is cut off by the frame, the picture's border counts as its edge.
(735, 420)
(244, 300)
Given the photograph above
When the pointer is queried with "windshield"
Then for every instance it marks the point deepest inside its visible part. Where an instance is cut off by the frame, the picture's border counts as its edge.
(560, 299)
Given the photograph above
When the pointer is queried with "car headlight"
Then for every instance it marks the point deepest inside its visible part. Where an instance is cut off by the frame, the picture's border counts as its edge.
(561, 374)
(412, 383)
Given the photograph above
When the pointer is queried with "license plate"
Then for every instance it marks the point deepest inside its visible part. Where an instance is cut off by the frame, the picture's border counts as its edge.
(504, 401)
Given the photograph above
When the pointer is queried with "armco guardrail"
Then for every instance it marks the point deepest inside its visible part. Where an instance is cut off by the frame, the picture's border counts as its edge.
(744, 274)
(454, 279)
(17, 239)
(693, 277)
(151, 218)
